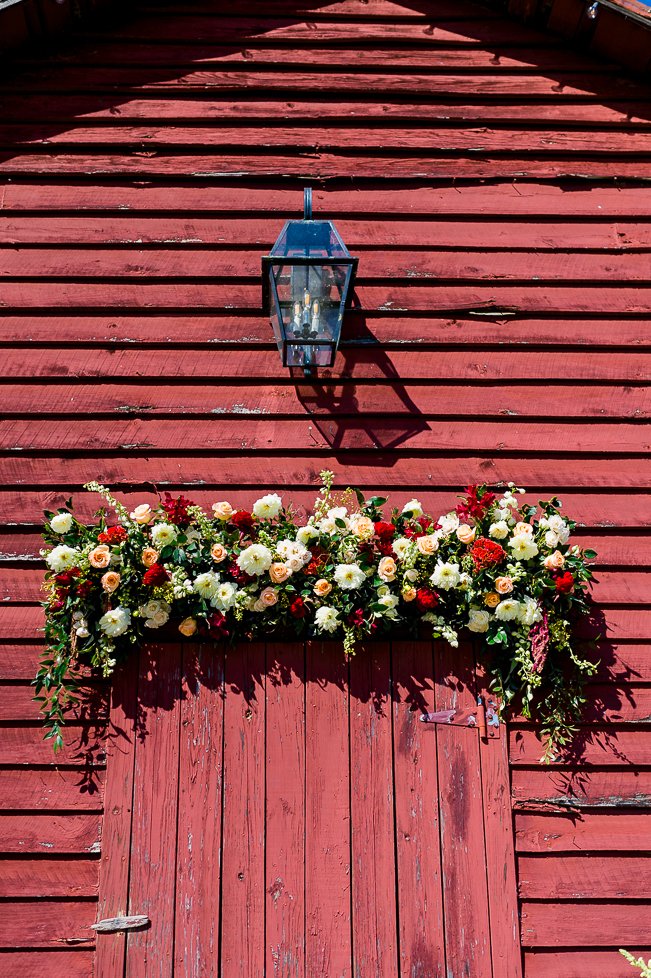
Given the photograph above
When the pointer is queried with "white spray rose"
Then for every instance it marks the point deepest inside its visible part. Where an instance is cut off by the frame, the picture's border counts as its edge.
(268, 507)
(478, 620)
(499, 530)
(349, 576)
(326, 619)
(62, 558)
(61, 523)
(255, 560)
(115, 622)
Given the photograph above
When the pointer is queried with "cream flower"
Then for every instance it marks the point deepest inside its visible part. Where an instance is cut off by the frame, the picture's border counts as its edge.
(445, 576)
(478, 620)
(218, 552)
(100, 557)
(362, 526)
(322, 588)
(555, 561)
(409, 593)
(466, 533)
(412, 508)
(163, 534)
(268, 507)
(503, 585)
(279, 573)
(155, 613)
(222, 511)
(268, 597)
(188, 627)
(62, 558)
(523, 547)
(206, 584)
(411, 575)
(448, 523)
(523, 529)
(427, 545)
(529, 612)
(401, 547)
(507, 610)
(306, 533)
(387, 569)
(110, 581)
(61, 523)
(224, 596)
(149, 556)
(326, 619)
(142, 514)
(349, 576)
(390, 602)
(499, 530)
(255, 560)
(115, 622)
(293, 553)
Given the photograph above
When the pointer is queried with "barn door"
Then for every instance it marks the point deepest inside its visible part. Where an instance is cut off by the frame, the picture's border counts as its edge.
(278, 812)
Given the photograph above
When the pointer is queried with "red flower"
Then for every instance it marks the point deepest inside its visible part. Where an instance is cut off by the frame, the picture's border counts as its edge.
(238, 575)
(356, 618)
(113, 535)
(66, 578)
(56, 605)
(385, 531)
(156, 576)
(426, 599)
(298, 608)
(217, 623)
(242, 520)
(423, 524)
(385, 547)
(564, 582)
(486, 553)
(84, 589)
(477, 502)
(177, 509)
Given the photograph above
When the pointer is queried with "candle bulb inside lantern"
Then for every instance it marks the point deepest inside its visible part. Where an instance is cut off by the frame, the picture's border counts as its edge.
(306, 299)
(315, 316)
(297, 314)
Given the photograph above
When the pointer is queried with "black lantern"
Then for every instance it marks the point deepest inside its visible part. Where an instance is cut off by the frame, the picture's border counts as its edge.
(306, 281)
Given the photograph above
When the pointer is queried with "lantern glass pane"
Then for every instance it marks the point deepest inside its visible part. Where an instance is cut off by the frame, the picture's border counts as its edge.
(309, 306)
(317, 240)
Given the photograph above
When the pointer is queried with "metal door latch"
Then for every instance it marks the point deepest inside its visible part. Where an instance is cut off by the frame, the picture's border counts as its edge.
(485, 719)
(117, 925)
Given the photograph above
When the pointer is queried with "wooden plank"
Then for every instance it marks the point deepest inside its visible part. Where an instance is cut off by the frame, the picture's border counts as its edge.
(611, 789)
(243, 862)
(285, 810)
(33, 964)
(46, 923)
(419, 874)
(120, 747)
(374, 871)
(51, 790)
(50, 833)
(463, 847)
(84, 747)
(17, 702)
(327, 813)
(585, 832)
(48, 877)
(578, 963)
(590, 748)
(588, 877)
(155, 799)
(577, 925)
(197, 913)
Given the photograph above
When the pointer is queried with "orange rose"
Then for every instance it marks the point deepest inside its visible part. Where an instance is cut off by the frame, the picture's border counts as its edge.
(427, 545)
(492, 600)
(223, 511)
(555, 561)
(110, 581)
(100, 557)
(504, 585)
(322, 588)
(142, 513)
(409, 594)
(268, 597)
(149, 556)
(279, 572)
(218, 552)
(188, 627)
(387, 569)
(465, 533)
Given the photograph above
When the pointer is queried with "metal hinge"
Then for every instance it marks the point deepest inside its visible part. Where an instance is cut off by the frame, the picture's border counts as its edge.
(117, 925)
(484, 718)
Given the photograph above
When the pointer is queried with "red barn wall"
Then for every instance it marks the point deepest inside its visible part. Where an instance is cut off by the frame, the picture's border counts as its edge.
(493, 184)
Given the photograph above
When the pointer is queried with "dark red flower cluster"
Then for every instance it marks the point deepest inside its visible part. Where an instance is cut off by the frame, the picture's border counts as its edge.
(476, 504)
(217, 624)
(238, 575)
(426, 599)
(298, 608)
(176, 510)
(113, 535)
(242, 520)
(84, 589)
(66, 578)
(156, 576)
(385, 531)
(564, 582)
(356, 618)
(486, 553)
(423, 525)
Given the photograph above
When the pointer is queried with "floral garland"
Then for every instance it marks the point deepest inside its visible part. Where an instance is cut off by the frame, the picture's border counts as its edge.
(493, 567)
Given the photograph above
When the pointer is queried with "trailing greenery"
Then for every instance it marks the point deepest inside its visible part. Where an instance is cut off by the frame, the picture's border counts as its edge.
(644, 967)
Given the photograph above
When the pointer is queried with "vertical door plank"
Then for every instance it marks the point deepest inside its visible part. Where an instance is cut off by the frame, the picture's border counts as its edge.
(500, 853)
(327, 803)
(243, 903)
(375, 952)
(285, 815)
(153, 836)
(196, 945)
(420, 902)
(462, 824)
(116, 824)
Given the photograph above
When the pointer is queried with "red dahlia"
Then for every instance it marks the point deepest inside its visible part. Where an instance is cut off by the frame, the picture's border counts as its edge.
(84, 589)
(156, 576)
(486, 553)
(385, 531)
(426, 599)
(242, 520)
(65, 578)
(112, 535)
(564, 582)
(298, 608)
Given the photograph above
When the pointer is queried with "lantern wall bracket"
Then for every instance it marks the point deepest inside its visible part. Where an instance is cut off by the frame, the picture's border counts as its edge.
(485, 719)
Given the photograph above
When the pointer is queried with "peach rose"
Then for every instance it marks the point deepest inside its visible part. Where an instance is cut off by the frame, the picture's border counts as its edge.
(279, 572)
(409, 594)
(143, 513)
(149, 556)
(322, 588)
(363, 528)
(465, 533)
(427, 545)
(387, 569)
(188, 627)
(268, 597)
(492, 600)
(523, 529)
(100, 557)
(504, 585)
(110, 581)
(218, 552)
(222, 511)
(555, 561)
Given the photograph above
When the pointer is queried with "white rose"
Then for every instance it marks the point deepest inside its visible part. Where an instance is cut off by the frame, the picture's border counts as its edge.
(413, 508)
(206, 584)
(523, 547)
(115, 622)
(268, 507)
(448, 523)
(306, 533)
(529, 612)
(255, 560)
(411, 575)
(507, 610)
(294, 554)
(62, 558)
(499, 530)
(401, 547)
(158, 620)
(478, 620)
(390, 602)
(61, 523)
(152, 608)
(326, 619)
(338, 513)
(445, 575)
(349, 576)
(163, 534)
(224, 597)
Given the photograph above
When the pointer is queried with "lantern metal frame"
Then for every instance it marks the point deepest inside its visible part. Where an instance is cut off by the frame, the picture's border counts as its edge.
(313, 344)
